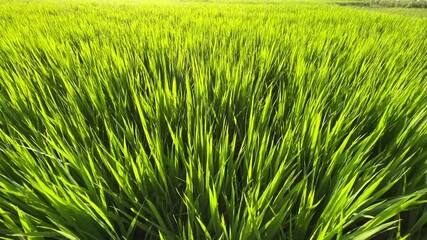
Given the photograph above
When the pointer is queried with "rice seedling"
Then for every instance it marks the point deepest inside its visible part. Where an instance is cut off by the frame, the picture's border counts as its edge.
(194, 120)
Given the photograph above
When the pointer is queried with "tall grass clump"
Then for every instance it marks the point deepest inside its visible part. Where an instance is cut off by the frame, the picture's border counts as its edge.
(211, 121)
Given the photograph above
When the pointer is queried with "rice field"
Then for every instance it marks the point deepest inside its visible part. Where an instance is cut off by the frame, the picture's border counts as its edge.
(211, 120)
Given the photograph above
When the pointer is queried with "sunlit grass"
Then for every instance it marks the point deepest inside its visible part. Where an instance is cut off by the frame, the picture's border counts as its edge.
(211, 121)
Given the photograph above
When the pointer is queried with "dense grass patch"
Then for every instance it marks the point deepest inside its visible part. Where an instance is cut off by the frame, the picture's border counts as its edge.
(211, 121)
(400, 3)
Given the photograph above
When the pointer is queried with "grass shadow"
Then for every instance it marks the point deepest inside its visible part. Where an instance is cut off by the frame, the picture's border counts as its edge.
(354, 4)
(385, 4)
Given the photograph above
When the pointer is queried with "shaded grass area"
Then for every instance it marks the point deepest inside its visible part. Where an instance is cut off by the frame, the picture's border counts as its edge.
(146, 120)
(405, 11)
(353, 4)
(401, 3)
(398, 4)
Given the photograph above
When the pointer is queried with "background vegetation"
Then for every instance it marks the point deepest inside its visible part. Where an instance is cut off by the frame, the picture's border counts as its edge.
(400, 3)
(193, 120)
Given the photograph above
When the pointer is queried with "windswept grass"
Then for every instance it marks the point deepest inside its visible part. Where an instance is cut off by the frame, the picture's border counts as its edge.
(211, 121)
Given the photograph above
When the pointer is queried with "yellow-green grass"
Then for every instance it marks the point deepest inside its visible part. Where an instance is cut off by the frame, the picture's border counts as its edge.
(412, 12)
(201, 120)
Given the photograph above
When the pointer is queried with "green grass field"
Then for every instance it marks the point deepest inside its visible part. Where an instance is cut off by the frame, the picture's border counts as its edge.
(212, 120)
